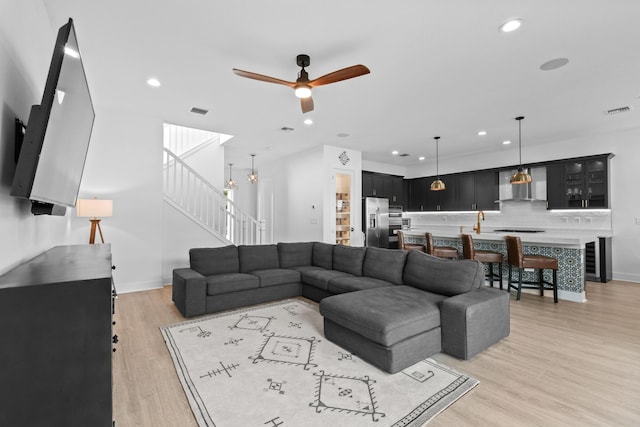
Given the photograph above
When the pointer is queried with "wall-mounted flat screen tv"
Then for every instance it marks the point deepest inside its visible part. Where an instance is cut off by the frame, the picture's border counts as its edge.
(55, 144)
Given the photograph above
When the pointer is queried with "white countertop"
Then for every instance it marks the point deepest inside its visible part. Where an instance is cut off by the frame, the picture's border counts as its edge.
(560, 238)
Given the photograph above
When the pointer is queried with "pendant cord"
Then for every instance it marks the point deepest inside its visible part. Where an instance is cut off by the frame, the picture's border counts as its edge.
(519, 119)
(437, 156)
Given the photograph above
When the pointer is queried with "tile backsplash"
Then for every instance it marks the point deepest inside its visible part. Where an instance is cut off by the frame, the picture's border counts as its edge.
(520, 214)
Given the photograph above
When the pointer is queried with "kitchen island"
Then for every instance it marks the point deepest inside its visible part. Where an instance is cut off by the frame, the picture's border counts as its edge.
(567, 247)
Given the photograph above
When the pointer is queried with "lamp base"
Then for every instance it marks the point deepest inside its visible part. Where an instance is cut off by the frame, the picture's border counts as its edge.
(95, 223)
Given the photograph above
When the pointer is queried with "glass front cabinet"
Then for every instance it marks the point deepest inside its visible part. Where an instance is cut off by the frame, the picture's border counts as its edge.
(583, 184)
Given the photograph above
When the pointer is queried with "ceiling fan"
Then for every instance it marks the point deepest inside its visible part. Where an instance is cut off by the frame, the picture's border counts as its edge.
(303, 85)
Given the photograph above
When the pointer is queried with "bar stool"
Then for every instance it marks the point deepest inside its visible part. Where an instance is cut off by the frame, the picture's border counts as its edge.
(440, 251)
(517, 258)
(408, 246)
(486, 257)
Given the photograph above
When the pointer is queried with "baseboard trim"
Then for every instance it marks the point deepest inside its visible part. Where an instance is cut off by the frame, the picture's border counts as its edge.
(627, 277)
(125, 288)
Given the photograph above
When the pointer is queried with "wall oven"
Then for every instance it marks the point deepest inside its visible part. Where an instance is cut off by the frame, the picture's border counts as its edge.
(395, 223)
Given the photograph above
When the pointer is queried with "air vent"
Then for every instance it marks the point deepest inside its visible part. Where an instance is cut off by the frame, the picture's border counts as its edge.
(286, 129)
(404, 155)
(197, 110)
(618, 110)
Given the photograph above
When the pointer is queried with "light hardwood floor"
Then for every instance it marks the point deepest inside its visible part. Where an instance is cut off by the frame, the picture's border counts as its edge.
(566, 364)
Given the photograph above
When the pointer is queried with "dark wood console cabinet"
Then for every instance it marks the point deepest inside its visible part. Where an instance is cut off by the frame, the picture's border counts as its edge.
(56, 328)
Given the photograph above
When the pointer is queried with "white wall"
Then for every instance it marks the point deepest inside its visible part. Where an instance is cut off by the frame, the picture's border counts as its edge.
(117, 154)
(298, 188)
(24, 64)
(304, 194)
(122, 145)
(208, 161)
(370, 166)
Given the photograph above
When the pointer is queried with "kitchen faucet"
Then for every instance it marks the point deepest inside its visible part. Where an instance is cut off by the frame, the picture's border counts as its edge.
(477, 227)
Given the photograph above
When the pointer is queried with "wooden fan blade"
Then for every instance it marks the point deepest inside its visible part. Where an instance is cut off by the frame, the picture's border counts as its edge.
(306, 104)
(336, 76)
(263, 78)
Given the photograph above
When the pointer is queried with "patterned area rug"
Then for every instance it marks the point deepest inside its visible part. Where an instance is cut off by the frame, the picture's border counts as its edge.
(271, 366)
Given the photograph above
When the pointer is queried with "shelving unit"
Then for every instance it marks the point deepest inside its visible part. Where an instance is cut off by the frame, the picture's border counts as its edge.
(343, 219)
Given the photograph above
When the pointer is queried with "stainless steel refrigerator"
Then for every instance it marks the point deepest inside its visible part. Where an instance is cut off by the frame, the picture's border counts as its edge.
(376, 222)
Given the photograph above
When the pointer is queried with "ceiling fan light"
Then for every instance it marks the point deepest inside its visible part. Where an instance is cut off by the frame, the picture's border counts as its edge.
(438, 185)
(520, 177)
(303, 91)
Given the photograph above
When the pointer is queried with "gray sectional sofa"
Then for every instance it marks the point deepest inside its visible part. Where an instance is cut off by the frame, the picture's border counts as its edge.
(390, 307)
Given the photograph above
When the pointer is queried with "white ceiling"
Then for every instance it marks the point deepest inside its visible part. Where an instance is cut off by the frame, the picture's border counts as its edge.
(438, 67)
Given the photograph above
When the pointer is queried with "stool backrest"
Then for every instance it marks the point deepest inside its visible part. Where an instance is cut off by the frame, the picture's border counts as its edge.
(467, 247)
(515, 254)
(429, 245)
(400, 239)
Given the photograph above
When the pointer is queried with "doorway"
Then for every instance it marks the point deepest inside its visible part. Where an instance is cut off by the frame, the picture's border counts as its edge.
(344, 214)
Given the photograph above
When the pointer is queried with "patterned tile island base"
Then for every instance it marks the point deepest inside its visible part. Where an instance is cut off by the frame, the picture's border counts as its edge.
(571, 263)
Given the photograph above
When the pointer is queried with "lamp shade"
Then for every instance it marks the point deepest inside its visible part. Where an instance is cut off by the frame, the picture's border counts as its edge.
(94, 208)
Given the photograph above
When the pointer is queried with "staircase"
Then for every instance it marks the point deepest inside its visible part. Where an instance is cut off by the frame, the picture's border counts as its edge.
(199, 200)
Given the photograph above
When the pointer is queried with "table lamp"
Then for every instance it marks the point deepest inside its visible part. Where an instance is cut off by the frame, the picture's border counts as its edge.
(94, 209)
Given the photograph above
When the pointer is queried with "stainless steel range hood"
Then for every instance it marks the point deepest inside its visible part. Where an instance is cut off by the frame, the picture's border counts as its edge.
(532, 192)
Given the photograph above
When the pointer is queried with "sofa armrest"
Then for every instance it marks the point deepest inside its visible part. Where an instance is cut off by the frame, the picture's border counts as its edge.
(189, 292)
(473, 321)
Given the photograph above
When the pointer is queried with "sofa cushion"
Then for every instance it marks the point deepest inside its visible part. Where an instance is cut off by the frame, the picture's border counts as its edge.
(276, 276)
(323, 255)
(258, 257)
(384, 264)
(231, 282)
(320, 278)
(442, 276)
(295, 254)
(302, 268)
(348, 259)
(384, 315)
(340, 285)
(211, 261)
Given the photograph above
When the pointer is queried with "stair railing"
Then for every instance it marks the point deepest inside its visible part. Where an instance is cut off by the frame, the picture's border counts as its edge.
(199, 200)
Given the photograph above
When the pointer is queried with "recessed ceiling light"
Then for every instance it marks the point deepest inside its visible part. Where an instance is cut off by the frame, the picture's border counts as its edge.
(554, 64)
(308, 121)
(394, 152)
(421, 158)
(482, 133)
(506, 142)
(153, 82)
(511, 25)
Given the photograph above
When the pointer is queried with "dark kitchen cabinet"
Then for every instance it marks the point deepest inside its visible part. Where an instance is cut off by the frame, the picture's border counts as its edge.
(487, 190)
(478, 191)
(391, 187)
(418, 188)
(578, 184)
(421, 198)
(55, 321)
(448, 198)
(395, 191)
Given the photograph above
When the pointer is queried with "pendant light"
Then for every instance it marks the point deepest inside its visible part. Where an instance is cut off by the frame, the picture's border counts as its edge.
(437, 185)
(230, 183)
(520, 177)
(253, 176)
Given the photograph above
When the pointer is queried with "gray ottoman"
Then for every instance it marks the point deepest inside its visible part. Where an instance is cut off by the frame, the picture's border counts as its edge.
(392, 327)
